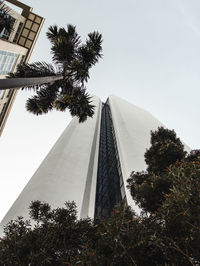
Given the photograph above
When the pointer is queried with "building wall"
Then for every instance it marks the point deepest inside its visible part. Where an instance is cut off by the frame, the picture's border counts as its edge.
(16, 47)
(10, 56)
(132, 130)
(67, 173)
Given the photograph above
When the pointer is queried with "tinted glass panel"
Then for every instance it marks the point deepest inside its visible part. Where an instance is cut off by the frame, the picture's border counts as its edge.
(7, 62)
(108, 192)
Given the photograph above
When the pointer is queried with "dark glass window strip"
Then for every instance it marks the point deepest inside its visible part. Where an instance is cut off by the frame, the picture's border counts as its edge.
(108, 192)
(18, 31)
(3, 110)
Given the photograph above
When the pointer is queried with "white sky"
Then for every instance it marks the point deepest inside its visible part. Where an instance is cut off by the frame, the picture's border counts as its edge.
(151, 58)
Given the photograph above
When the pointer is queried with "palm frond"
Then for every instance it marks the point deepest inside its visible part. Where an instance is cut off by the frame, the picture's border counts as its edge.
(87, 55)
(77, 71)
(52, 33)
(33, 105)
(73, 35)
(55, 33)
(38, 105)
(64, 43)
(37, 69)
(66, 86)
(92, 50)
(62, 51)
(78, 103)
(81, 106)
(95, 42)
(75, 59)
(43, 101)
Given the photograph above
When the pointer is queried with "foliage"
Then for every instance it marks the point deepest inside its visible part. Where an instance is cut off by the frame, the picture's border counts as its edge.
(165, 150)
(193, 156)
(56, 238)
(168, 236)
(73, 61)
(168, 192)
(5, 18)
(123, 239)
(148, 188)
(180, 212)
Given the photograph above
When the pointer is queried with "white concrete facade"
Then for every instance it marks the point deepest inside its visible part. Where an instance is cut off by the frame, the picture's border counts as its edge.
(132, 131)
(69, 171)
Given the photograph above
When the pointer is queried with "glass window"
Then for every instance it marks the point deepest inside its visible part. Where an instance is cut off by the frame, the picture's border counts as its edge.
(35, 27)
(4, 60)
(28, 24)
(7, 62)
(31, 16)
(25, 32)
(38, 20)
(31, 35)
(22, 41)
(18, 31)
(28, 44)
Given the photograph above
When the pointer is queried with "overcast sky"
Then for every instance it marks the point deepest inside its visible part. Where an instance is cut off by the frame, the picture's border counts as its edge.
(151, 58)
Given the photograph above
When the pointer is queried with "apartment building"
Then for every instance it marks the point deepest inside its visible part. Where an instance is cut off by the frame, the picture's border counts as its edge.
(16, 46)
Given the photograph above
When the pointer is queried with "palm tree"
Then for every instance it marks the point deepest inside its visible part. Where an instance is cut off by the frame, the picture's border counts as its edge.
(61, 87)
(5, 18)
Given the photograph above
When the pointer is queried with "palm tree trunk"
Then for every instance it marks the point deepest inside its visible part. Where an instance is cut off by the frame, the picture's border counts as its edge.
(16, 83)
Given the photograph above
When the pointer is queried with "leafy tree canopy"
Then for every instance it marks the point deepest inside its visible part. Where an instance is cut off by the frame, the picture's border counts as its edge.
(165, 149)
(148, 188)
(56, 238)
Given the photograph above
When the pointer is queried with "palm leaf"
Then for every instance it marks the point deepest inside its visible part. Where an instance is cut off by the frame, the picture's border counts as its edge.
(78, 103)
(43, 101)
(37, 69)
(64, 43)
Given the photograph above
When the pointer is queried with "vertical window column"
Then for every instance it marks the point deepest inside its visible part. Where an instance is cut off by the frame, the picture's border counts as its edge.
(108, 192)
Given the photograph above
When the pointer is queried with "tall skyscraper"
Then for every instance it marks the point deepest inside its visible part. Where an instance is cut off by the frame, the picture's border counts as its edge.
(16, 46)
(91, 161)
